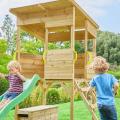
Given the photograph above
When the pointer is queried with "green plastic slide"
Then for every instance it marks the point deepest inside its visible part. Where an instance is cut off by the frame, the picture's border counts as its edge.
(28, 87)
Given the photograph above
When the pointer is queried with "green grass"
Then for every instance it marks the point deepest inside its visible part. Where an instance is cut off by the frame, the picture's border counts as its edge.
(80, 111)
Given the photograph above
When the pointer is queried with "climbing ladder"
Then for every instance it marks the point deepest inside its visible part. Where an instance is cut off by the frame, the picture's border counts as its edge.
(89, 99)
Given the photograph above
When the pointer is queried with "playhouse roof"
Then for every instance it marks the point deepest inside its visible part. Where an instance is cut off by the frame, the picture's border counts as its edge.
(36, 26)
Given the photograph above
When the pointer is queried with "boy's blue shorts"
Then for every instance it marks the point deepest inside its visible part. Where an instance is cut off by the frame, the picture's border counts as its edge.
(10, 96)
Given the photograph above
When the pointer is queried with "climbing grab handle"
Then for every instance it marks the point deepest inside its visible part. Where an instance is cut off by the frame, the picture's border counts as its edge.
(75, 56)
(44, 56)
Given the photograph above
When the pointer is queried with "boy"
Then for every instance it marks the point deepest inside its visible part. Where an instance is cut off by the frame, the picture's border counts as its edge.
(106, 86)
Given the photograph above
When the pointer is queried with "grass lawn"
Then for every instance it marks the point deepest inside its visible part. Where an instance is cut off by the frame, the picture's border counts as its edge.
(80, 112)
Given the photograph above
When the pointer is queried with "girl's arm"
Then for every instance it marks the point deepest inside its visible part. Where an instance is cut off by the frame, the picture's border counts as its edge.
(16, 71)
(21, 76)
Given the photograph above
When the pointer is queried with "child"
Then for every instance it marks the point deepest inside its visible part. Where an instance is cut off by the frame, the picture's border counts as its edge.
(106, 85)
(15, 82)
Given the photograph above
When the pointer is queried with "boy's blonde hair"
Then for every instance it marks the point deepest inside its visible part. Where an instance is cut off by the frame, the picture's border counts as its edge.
(14, 64)
(100, 65)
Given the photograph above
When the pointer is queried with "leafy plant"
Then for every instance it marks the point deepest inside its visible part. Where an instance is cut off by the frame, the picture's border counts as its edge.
(53, 96)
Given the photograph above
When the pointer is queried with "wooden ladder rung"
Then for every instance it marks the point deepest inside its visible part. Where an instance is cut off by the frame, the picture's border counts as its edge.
(79, 81)
(94, 106)
(85, 89)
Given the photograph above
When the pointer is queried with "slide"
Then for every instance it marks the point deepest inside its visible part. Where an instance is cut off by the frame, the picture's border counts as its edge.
(28, 87)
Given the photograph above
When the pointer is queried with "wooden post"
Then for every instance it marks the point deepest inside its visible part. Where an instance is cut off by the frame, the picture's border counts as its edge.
(46, 39)
(16, 110)
(94, 47)
(94, 53)
(86, 48)
(72, 47)
(44, 92)
(18, 47)
(45, 50)
(18, 44)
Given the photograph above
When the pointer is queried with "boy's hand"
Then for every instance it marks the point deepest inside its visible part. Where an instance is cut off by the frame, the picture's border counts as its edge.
(115, 93)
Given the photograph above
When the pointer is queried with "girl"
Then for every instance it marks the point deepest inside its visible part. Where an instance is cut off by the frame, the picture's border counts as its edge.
(106, 85)
(15, 82)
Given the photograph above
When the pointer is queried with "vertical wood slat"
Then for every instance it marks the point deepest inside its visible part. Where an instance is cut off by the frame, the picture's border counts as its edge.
(18, 47)
(46, 46)
(72, 46)
(86, 48)
(18, 44)
(45, 50)
(16, 110)
(46, 39)
(94, 47)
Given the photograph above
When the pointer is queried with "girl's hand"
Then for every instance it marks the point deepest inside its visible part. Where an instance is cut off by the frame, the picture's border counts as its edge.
(15, 70)
(2, 75)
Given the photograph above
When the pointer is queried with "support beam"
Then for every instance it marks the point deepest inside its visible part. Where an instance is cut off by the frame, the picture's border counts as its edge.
(44, 17)
(38, 34)
(72, 47)
(86, 48)
(46, 39)
(84, 13)
(65, 36)
(18, 44)
(91, 29)
(59, 23)
(16, 112)
(45, 50)
(94, 47)
(44, 92)
(43, 8)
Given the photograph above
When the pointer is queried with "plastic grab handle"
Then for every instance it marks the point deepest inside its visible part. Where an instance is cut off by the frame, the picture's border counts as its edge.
(44, 56)
(76, 56)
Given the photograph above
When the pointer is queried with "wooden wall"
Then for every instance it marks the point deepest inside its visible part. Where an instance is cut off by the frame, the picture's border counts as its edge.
(31, 64)
(59, 64)
(79, 66)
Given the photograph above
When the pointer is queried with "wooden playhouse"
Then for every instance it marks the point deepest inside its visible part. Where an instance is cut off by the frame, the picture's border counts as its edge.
(59, 20)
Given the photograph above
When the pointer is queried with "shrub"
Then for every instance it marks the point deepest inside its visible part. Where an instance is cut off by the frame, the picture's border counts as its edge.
(4, 59)
(3, 86)
(64, 96)
(116, 73)
(34, 99)
(77, 96)
(53, 96)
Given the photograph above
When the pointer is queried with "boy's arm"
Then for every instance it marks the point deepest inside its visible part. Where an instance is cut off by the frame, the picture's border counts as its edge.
(21, 77)
(116, 86)
(91, 86)
(90, 90)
